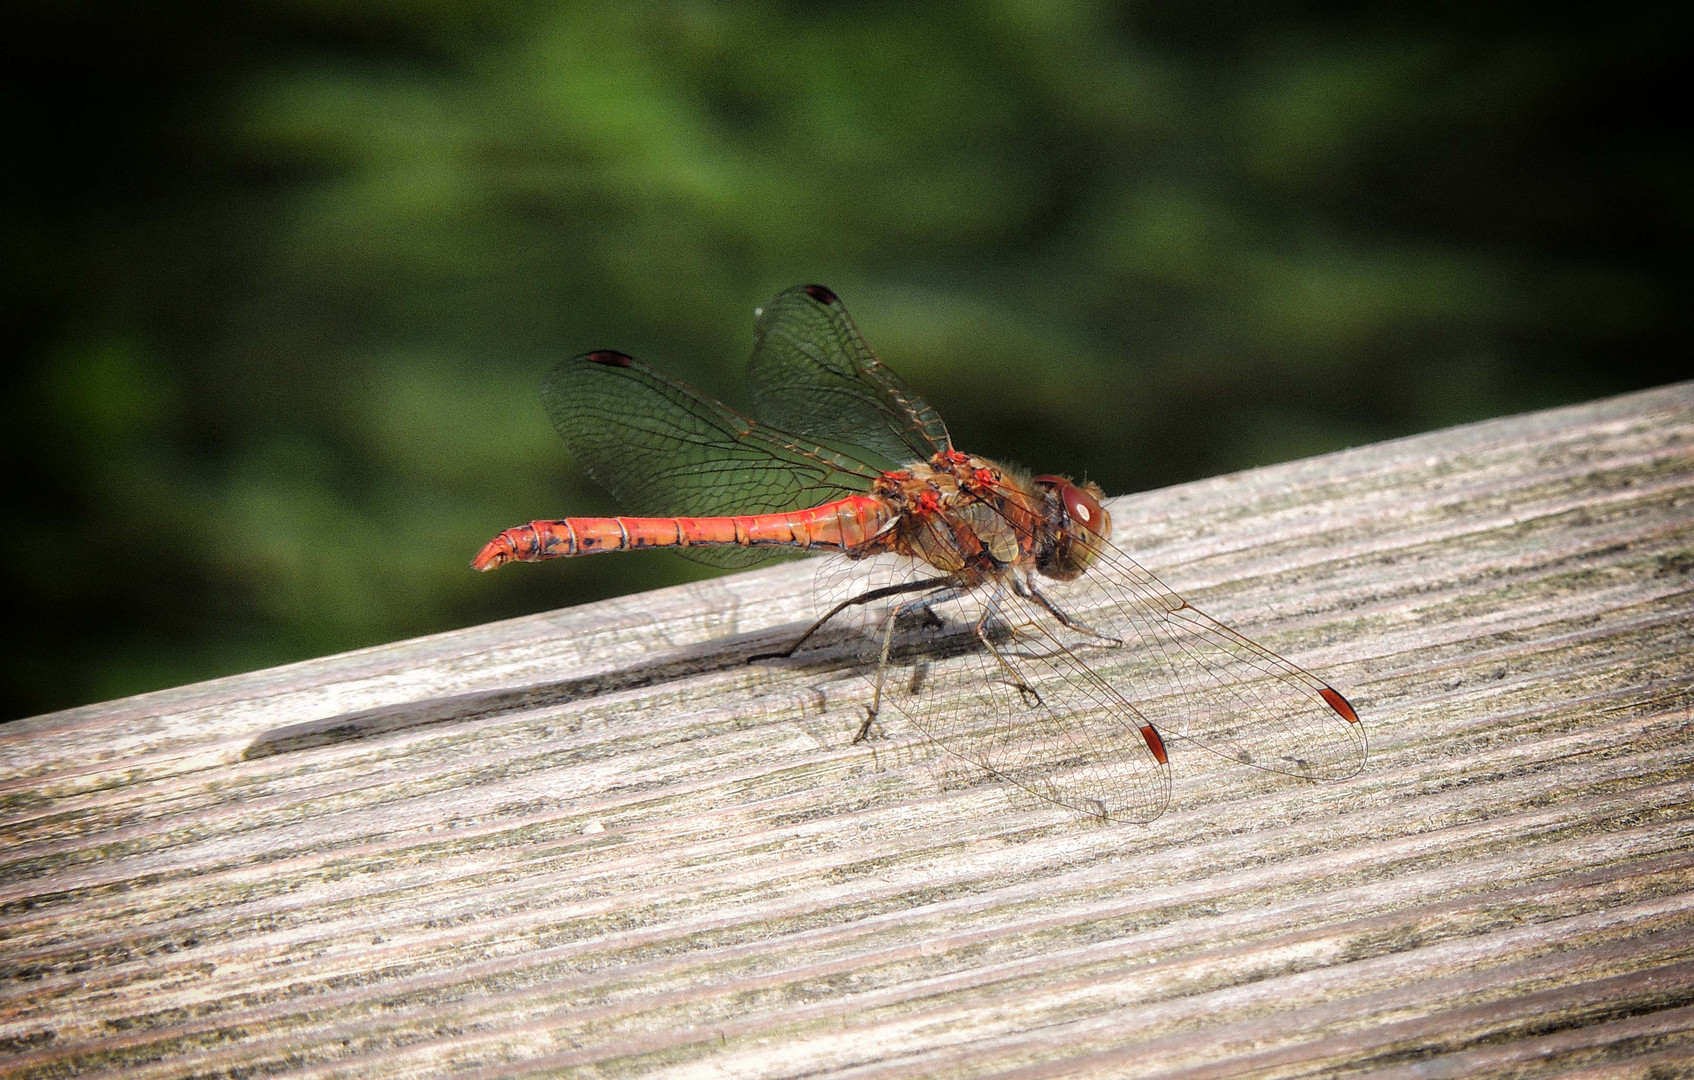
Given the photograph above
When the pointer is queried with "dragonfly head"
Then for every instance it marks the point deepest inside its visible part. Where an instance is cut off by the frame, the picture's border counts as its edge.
(1079, 524)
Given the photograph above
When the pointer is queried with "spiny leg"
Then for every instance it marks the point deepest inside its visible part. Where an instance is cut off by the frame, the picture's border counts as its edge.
(867, 597)
(1028, 588)
(881, 667)
(1025, 691)
(943, 592)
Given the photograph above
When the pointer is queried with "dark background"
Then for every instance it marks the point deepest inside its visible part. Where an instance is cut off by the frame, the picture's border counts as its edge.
(281, 279)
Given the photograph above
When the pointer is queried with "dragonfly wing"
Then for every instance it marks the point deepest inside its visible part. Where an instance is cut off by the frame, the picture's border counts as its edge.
(1200, 681)
(662, 449)
(812, 373)
(1023, 707)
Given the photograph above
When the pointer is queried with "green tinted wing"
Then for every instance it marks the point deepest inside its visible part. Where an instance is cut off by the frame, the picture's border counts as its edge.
(813, 374)
(663, 450)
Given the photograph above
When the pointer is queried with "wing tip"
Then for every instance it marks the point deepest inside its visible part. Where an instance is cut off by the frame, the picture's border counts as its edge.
(609, 358)
(1155, 743)
(1341, 705)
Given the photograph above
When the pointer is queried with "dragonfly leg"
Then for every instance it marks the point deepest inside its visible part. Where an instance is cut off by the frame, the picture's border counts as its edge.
(944, 592)
(868, 597)
(1028, 588)
(881, 669)
(1025, 691)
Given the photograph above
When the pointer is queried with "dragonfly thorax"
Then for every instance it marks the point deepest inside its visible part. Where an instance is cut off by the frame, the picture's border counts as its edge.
(969, 517)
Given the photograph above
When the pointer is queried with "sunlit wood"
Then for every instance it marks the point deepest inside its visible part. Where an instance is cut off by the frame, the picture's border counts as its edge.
(599, 838)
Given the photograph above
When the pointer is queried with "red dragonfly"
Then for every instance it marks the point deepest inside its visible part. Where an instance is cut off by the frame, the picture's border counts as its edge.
(1070, 664)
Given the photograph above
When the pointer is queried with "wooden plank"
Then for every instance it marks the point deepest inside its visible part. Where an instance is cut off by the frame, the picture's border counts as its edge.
(596, 840)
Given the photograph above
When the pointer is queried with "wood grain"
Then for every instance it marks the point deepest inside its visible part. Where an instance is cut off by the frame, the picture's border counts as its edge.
(597, 841)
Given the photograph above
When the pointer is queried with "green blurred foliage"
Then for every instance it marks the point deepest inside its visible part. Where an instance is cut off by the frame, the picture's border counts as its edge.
(283, 278)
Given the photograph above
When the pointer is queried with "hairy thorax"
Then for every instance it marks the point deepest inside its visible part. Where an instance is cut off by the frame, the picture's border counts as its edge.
(963, 515)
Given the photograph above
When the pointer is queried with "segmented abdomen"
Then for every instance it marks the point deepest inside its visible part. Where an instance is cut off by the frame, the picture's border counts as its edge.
(837, 526)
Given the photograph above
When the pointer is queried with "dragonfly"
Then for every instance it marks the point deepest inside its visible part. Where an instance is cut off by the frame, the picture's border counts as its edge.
(1042, 655)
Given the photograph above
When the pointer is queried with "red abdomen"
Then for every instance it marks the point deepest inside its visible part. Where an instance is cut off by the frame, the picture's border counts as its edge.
(843, 525)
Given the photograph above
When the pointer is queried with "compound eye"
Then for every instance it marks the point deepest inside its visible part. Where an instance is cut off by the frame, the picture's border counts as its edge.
(1085, 510)
(1080, 504)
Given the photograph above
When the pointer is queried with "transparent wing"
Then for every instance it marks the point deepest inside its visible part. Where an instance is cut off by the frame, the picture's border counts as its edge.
(812, 373)
(1058, 692)
(661, 449)
(1027, 708)
(1200, 681)
(1012, 703)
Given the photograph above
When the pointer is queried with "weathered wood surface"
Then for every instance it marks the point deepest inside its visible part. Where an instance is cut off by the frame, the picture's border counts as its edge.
(596, 840)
